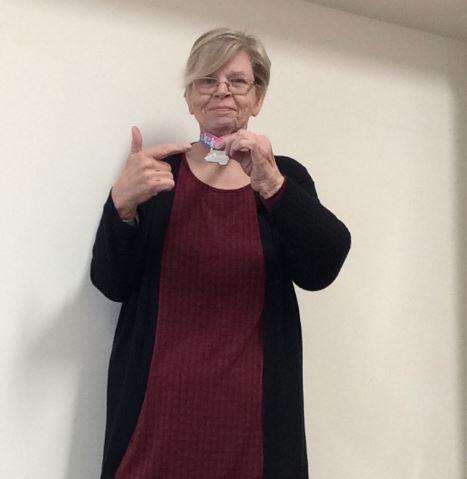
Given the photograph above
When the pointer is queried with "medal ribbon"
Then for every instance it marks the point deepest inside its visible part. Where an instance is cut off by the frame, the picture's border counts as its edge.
(210, 140)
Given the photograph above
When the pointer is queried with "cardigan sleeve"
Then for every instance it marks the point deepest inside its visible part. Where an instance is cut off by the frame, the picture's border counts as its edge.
(269, 202)
(117, 253)
(315, 241)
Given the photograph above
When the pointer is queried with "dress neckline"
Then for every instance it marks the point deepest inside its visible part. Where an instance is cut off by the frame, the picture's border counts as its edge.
(214, 188)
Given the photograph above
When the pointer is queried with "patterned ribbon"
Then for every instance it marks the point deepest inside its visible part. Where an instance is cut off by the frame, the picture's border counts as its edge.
(211, 141)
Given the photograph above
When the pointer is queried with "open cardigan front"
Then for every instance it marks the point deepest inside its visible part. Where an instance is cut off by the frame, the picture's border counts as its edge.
(302, 242)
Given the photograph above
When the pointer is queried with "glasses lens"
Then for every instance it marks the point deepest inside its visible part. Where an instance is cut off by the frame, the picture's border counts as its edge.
(206, 85)
(238, 85)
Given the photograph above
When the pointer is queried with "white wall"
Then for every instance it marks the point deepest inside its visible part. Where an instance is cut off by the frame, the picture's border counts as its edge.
(376, 112)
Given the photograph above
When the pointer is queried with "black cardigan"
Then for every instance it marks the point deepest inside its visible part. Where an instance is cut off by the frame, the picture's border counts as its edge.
(303, 243)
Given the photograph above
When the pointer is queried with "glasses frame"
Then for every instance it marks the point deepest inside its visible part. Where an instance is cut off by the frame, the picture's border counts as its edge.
(250, 83)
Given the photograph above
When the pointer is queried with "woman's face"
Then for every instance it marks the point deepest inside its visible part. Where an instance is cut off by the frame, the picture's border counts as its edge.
(223, 122)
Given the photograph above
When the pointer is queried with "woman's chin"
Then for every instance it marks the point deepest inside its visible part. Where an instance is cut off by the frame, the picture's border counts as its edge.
(221, 128)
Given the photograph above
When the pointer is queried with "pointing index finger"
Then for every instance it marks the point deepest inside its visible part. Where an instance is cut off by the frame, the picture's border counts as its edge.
(166, 149)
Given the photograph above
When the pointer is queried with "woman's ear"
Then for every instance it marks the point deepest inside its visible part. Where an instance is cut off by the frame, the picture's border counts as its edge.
(258, 105)
(188, 100)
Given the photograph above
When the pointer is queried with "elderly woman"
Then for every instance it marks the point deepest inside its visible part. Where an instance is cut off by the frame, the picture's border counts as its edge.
(202, 244)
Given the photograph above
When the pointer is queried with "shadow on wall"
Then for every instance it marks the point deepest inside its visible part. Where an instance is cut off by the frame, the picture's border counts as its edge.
(78, 338)
(459, 89)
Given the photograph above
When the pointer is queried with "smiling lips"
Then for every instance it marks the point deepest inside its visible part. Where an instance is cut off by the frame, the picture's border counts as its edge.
(222, 108)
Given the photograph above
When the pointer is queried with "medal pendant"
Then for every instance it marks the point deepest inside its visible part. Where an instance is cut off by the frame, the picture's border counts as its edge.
(217, 156)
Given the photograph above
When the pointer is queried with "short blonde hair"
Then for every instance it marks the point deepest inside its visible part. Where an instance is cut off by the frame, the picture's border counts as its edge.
(216, 47)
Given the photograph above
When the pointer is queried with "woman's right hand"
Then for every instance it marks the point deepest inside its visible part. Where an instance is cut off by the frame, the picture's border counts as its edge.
(144, 174)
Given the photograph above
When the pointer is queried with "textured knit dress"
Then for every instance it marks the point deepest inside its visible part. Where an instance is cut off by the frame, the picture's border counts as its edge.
(202, 415)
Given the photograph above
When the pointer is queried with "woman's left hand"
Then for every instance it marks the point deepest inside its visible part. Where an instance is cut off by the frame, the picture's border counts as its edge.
(254, 153)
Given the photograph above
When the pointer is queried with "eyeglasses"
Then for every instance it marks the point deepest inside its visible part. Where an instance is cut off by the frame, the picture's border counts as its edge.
(236, 86)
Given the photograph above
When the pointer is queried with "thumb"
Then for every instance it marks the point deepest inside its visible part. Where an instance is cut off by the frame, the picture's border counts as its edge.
(137, 140)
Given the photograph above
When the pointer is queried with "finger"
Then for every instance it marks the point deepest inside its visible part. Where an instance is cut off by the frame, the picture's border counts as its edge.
(241, 145)
(162, 151)
(227, 143)
(226, 139)
(162, 175)
(137, 140)
(233, 146)
(158, 165)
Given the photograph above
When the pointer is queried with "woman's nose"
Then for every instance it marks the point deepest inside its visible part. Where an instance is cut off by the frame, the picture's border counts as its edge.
(222, 90)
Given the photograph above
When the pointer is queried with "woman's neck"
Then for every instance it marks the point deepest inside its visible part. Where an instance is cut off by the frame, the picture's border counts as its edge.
(197, 152)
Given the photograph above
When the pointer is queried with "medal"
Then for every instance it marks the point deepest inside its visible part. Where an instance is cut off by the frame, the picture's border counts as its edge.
(214, 155)
(217, 156)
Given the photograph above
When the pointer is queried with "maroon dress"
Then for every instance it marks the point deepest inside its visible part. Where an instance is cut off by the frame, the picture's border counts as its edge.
(201, 417)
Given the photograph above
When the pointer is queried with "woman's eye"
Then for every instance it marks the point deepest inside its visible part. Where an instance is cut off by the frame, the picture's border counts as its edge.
(237, 81)
(208, 81)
